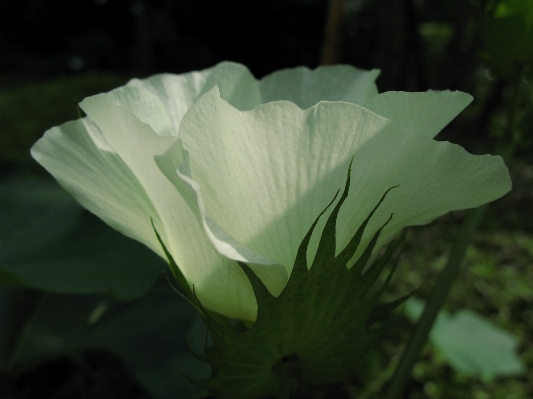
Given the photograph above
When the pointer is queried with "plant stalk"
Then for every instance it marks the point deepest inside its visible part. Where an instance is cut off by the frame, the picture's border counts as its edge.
(402, 374)
(331, 46)
(435, 302)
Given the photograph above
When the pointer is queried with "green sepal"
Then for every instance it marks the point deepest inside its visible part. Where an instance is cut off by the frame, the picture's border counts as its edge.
(318, 331)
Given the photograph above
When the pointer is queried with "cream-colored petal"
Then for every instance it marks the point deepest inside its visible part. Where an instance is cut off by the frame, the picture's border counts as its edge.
(221, 184)
(272, 274)
(136, 97)
(306, 87)
(108, 162)
(136, 144)
(178, 92)
(426, 113)
(433, 177)
(78, 156)
(263, 176)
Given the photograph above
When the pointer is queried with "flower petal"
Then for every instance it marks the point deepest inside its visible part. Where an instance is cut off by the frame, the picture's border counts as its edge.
(433, 177)
(427, 113)
(107, 162)
(178, 92)
(253, 173)
(145, 105)
(78, 156)
(306, 87)
(136, 144)
(262, 177)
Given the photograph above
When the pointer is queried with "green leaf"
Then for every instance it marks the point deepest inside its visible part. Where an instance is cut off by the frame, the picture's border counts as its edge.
(318, 331)
(508, 37)
(49, 242)
(146, 334)
(16, 308)
(471, 344)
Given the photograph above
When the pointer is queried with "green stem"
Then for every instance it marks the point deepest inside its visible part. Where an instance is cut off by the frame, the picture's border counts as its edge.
(444, 282)
(436, 299)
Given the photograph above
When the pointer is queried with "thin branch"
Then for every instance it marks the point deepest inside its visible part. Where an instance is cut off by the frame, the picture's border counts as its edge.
(332, 44)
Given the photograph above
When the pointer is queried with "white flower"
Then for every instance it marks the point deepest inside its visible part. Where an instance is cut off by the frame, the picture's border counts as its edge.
(231, 168)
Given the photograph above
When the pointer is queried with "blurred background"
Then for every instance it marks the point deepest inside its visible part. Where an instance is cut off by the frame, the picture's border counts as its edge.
(95, 321)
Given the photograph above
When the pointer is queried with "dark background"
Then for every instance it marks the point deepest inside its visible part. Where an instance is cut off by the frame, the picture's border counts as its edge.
(96, 45)
(47, 38)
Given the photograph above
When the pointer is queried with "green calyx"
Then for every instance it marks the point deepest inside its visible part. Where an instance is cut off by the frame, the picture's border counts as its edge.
(316, 332)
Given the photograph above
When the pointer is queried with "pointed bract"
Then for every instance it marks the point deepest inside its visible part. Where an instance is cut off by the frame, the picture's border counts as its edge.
(323, 321)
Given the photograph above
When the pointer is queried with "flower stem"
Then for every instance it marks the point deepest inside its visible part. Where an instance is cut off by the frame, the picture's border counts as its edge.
(436, 299)
(505, 148)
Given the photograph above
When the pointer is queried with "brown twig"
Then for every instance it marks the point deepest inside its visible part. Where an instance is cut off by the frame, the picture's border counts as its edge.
(332, 43)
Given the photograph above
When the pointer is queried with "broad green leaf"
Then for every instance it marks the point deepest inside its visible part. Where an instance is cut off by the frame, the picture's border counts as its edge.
(49, 242)
(148, 335)
(16, 309)
(471, 344)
